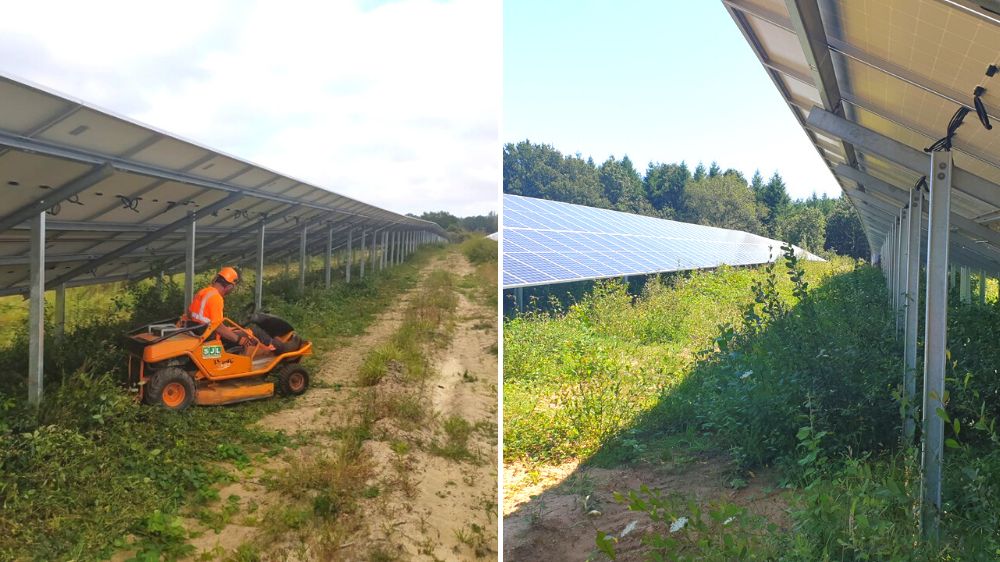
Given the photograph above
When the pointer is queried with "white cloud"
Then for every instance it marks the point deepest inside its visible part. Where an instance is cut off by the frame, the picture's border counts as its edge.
(396, 104)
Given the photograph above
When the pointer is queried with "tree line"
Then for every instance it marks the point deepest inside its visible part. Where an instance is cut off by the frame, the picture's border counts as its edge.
(487, 223)
(709, 196)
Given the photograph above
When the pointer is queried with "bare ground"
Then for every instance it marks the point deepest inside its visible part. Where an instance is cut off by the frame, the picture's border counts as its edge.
(443, 508)
(431, 508)
(554, 512)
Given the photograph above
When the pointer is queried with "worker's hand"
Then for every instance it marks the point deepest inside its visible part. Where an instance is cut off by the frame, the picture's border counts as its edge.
(249, 341)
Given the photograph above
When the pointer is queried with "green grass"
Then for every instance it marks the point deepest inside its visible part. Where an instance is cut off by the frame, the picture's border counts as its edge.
(92, 468)
(572, 380)
(772, 373)
(457, 431)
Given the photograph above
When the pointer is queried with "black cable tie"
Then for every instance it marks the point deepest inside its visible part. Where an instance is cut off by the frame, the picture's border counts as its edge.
(991, 70)
(54, 209)
(74, 199)
(984, 117)
(129, 203)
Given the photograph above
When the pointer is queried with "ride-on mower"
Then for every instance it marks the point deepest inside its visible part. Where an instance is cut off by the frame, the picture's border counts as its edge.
(173, 367)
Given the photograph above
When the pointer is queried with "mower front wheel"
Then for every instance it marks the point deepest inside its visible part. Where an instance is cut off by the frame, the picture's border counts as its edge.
(293, 379)
(171, 388)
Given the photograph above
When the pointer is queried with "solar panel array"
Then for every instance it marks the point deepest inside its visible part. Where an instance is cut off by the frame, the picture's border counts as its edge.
(548, 242)
(117, 193)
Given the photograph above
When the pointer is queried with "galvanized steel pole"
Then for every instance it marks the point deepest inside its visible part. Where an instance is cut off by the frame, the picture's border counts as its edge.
(901, 271)
(258, 293)
(189, 257)
(965, 289)
(302, 258)
(36, 310)
(935, 341)
(350, 256)
(328, 256)
(912, 313)
(361, 255)
(60, 319)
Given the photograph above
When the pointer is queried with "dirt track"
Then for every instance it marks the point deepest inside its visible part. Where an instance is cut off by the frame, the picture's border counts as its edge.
(430, 507)
(554, 513)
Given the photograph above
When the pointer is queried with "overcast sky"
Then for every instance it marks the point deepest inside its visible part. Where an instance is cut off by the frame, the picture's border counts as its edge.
(657, 80)
(395, 103)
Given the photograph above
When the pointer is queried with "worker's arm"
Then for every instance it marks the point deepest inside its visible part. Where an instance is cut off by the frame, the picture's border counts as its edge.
(227, 334)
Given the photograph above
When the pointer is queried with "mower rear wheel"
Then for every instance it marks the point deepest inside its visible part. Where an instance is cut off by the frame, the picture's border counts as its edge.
(171, 388)
(293, 379)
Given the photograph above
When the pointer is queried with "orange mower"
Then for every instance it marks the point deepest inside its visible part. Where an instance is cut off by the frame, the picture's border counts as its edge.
(171, 366)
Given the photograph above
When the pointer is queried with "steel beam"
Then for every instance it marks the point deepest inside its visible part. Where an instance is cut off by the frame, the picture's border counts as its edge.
(374, 252)
(36, 311)
(47, 201)
(935, 342)
(982, 287)
(900, 154)
(911, 301)
(136, 244)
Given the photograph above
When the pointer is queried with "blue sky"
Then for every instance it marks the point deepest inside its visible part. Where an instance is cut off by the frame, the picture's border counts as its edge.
(663, 81)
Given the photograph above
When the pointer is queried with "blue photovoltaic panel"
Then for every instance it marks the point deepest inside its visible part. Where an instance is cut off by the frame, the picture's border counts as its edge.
(551, 242)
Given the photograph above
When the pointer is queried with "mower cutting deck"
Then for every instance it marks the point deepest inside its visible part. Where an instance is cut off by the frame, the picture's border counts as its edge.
(173, 367)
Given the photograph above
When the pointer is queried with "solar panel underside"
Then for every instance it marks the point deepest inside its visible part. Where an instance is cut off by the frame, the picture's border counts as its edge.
(548, 242)
(901, 68)
(48, 142)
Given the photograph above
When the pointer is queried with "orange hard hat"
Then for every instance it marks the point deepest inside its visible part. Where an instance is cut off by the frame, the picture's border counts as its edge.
(229, 274)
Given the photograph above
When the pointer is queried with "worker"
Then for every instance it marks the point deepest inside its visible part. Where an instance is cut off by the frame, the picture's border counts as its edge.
(207, 306)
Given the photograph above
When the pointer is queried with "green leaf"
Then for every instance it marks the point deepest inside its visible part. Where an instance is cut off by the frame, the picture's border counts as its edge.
(943, 415)
(606, 544)
(951, 443)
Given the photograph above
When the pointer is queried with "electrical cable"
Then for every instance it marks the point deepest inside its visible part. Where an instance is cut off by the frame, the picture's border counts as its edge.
(956, 121)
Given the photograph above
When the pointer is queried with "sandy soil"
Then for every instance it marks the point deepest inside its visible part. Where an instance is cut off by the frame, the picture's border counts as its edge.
(445, 509)
(431, 503)
(554, 513)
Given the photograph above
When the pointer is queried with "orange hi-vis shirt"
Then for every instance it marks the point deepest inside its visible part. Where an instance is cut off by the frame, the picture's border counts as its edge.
(207, 307)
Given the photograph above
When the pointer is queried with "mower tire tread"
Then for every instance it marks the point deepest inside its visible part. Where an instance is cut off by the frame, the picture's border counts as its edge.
(173, 388)
(293, 379)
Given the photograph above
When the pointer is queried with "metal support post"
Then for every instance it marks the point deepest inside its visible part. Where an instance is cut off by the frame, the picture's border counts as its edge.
(374, 251)
(36, 310)
(935, 341)
(302, 259)
(904, 250)
(519, 297)
(982, 287)
(965, 290)
(60, 319)
(901, 271)
(189, 257)
(327, 256)
(912, 312)
(361, 255)
(258, 293)
(350, 256)
(385, 250)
